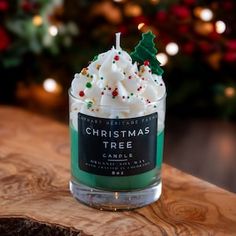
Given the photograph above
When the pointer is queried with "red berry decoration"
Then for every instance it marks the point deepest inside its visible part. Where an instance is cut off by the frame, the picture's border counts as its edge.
(190, 2)
(230, 57)
(116, 58)
(146, 63)
(161, 16)
(181, 12)
(4, 5)
(231, 44)
(183, 29)
(188, 47)
(81, 93)
(4, 39)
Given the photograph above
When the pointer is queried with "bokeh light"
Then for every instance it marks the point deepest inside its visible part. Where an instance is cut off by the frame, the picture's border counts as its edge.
(37, 20)
(220, 27)
(140, 25)
(229, 92)
(172, 48)
(133, 10)
(51, 86)
(53, 30)
(162, 58)
(206, 14)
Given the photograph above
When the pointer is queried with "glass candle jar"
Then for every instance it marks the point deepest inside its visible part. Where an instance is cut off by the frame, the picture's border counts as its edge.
(116, 162)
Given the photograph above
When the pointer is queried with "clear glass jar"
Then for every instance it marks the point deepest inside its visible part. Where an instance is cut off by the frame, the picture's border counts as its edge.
(116, 161)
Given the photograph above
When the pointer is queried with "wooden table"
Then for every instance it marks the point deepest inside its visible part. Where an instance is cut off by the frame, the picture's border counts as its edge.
(35, 200)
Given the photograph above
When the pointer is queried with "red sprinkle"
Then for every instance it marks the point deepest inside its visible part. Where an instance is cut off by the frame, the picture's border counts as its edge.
(139, 88)
(129, 77)
(81, 93)
(109, 88)
(146, 63)
(102, 93)
(114, 93)
(116, 58)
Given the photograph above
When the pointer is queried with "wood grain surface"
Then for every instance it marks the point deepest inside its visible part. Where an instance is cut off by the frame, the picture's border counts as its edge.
(34, 175)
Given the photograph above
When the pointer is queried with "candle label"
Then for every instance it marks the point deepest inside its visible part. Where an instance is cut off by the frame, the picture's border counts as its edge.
(117, 147)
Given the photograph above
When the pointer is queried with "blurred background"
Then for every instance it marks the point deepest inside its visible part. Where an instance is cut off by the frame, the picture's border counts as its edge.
(43, 43)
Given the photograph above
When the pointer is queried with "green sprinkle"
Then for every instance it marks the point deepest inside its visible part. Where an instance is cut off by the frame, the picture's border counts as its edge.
(95, 58)
(113, 62)
(91, 76)
(89, 104)
(101, 78)
(128, 97)
(119, 52)
(89, 85)
(131, 94)
(87, 75)
(155, 106)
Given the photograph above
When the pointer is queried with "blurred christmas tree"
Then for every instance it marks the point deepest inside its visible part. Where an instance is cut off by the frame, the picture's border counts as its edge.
(32, 34)
(196, 43)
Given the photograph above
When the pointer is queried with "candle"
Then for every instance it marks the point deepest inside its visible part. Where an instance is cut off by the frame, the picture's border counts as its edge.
(117, 128)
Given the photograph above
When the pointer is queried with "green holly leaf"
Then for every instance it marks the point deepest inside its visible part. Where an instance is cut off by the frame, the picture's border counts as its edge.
(146, 51)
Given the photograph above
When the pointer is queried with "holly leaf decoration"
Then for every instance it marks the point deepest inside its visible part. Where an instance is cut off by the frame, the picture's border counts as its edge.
(146, 51)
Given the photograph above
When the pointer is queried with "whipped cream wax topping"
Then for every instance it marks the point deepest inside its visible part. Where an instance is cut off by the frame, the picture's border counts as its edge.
(114, 87)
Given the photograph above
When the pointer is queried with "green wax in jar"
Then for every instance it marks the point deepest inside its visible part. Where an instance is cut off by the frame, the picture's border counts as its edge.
(115, 183)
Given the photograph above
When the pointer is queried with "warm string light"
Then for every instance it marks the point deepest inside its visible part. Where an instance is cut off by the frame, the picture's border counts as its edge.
(162, 58)
(53, 30)
(229, 92)
(141, 25)
(133, 10)
(204, 28)
(172, 48)
(206, 14)
(197, 11)
(154, 2)
(51, 86)
(220, 27)
(37, 20)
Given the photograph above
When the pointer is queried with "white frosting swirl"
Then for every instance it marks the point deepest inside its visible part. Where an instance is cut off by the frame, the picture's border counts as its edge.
(112, 87)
